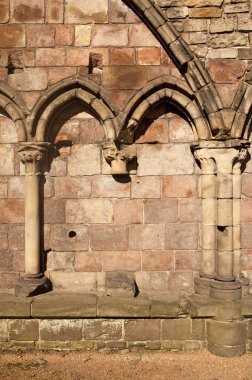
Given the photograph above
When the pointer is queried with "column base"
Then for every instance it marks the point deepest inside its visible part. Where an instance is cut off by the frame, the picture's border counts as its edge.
(202, 285)
(226, 291)
(29, 286)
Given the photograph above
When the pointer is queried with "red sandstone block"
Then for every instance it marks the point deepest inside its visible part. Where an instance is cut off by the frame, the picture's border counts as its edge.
(128, 211)
(247, 185)
(108, 187)
(50, 57)
(30, 98)
(246, 210)
(120, 97)
(64, 35)
(189, 210)
(40, 36)
(140, 35)
(149, 56)
(18, 261)
(89, 211)
(227, 93)
(158, 260)
(91, 131)
(157, 131)
(70, 131)
(108, 238)
(3, 74)
(181, 236)
(30, 79)
(12, 36)
(77, 57)
(3, 237)
(55, 74)
(69, 237)
(180, 130)
(122, 56)
(27, 11)
(16, 187)
(121, 261)
(226, 71)
(12, 211)
(124, 77)
(160, 210)
(179, 186)
(146, 237)
(5, 262)
(246, 259)
(88, 262)
(3, 190)
(187, 260)
(180, 280)
(121, 13)
(110, 35)
(58, 168)
(54, 11)
(66, 187)
(8, 280)
(17, 238)
(145, 187)
(54, 211)
(5, 11)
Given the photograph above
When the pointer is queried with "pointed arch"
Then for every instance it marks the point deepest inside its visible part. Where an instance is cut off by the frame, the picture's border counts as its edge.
(242, 105)
(163, 89)
(183, 58)
(64, 94)
(14, 108)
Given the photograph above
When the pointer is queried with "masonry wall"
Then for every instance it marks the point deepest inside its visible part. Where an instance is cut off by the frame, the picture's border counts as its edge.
(95, 223)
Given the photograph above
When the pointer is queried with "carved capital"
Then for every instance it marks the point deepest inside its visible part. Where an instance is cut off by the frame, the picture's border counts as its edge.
(207, 162)
(118, 158)
(31, 155)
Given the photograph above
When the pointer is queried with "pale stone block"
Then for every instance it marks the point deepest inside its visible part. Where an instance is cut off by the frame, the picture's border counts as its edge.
(236, 211)
(8, 130)
(60, 260)
(225, 239)
(31, 79)
(89, 211)
(237, 262)
(228, 53)
(225, 263)
(224, 185)
(4, 331)
(86, 11)
(84, 160)
(6, 159)
(208, 186)
(83, 35)
(209, 211)
(164, 159)
(74, 281)
(147, 281)
(208, 262)
(225, 212)
(208, 237)
(237, 186)
(236, 237)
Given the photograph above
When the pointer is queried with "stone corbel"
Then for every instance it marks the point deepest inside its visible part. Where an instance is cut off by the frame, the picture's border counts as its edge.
(118, 158)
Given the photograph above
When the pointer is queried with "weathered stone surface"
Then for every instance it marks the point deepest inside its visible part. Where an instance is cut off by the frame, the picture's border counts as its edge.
(206, 12)
(121, 260)
(122, 56)
(83, 35)
(110, 35)
(160, 211)
(222, 25)
(157, 131)
(74, 282)
(176, 329)
(139, 33)
(142, 330)
(12, 211)
(246, 240)
(226, 71)
(128, 211)
(179, 186)
(72, 187)
(146, 187)
(64, 35)
(108, 238)
(152, 281)
(11, 306)
(110, 187)
(187, 260)
(60, 305)
(169, 305)
(5, 11)
(228, 40)
(145, 237)
(23, 11)
(61, 330)
(88, 262)
(123, 307)
(102, 329)
(181, 281)
(4, 330)
(50, 57)
(89, 211)
(181, 236)
(149, 56)
(120, 12)
(84, 160)
(54, 11)
(60, 260)
(86, 12)
(124, 77)
(40, 36)
(189, 210)
(120, 284)
(54, 211)
(6, 159)
(24, 330)
(8, 130)
(31, 79)
(157, 260)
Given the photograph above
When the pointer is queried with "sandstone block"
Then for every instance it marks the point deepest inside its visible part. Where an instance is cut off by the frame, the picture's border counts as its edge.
(236, 8)
(7, 282)
(123, 307)
(145, 237)
(89, 211)
(110, 35)
(54, 211)
(122, 56)
(109, 187)
(152, 281)
(181, 281)
(31, 79)
(228, 40)
(50, 57)
(177, 12)
(140, 35)
(124, 77)
(206, 12)
(157, 260)
(54, 11)
(246, 208)
(12, 36)
(245, 53)
(3, 237)
(12, 211)
(226, 71)
(121, 261)
(8, 132)
(121, 13)
(24, 330)
(6, 261)
(142, 330)
(58, 168)
(84, 160)
(149, 56)
(189, 210)
(3, 190)
(121, 284)
(196, 25)
(91, 131)
(181, 186)
(181, 236)
(61, 330)
(198, 38)
(60, 260)
(66, 187)
(187, 260)
(64, 35)
(40, 36)
(157, 131)
(27, 11)
(128, 211)
(222, 25)
(108, 238)
(75, 282)
(244, 23)
(227, 93)
(88, 262)
(17, 238)
(246, 185)
(161, 210)
(227, 53)
(180, 130)
(102, 329)
(82, 35)
(6, 159)
(69, 237)
(4, 330)
(85, 12)
(176, 329)
(5, 11)
(145, 187)
(198, 329)
(77, 56)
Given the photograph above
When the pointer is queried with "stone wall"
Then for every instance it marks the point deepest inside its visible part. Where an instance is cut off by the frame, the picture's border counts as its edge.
(149, 222)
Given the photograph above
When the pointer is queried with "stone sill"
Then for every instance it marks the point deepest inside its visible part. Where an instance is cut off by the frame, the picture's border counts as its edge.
(58, 304)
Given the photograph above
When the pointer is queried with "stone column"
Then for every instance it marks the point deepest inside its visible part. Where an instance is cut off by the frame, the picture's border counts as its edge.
(208, 220)
(33, 282)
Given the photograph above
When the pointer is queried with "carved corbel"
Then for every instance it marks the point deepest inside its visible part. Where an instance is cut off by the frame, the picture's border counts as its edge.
(118, 158)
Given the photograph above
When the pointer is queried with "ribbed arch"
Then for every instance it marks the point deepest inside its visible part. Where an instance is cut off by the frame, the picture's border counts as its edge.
(64, 95)
(242, 105)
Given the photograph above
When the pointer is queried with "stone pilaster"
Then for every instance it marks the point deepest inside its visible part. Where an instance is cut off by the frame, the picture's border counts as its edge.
(33, 282)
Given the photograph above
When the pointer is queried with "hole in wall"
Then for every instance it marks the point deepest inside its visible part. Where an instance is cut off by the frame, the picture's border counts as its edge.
(72, 234)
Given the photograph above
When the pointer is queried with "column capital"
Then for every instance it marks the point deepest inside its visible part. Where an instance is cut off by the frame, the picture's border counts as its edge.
(118, 157)
(31, 154)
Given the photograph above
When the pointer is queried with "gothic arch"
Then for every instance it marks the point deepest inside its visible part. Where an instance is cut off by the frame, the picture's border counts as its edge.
(64, 94)
(14, 108)
(242, 105)
(163, 89)
(184, 59)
